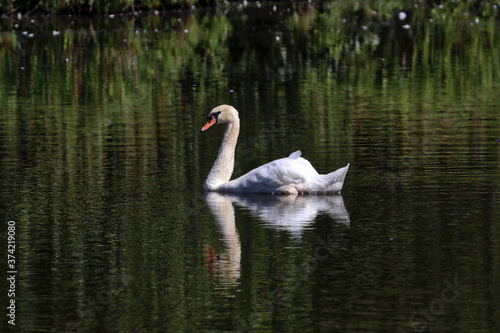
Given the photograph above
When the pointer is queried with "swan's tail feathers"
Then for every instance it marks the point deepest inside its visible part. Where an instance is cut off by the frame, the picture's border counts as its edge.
(335, 180)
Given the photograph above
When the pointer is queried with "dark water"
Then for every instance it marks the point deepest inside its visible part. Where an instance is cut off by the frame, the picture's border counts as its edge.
(102, 166)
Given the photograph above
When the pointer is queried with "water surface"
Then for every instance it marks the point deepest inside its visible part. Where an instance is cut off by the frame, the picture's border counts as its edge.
(102, 166)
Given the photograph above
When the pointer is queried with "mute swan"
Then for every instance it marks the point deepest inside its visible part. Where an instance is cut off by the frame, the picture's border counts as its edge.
(290, 175)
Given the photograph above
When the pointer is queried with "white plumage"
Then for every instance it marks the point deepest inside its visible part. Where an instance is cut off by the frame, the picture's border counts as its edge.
(289, 175)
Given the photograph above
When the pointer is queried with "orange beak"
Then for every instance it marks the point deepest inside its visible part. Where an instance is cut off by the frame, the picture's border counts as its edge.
(211, 122)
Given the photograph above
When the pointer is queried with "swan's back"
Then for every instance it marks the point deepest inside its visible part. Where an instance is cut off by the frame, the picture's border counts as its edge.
(292, 174)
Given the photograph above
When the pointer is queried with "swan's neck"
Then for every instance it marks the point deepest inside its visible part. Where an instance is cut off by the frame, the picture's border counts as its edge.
(224, 164)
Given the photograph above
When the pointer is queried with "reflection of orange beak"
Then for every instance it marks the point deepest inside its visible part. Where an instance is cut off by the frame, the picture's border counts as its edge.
(210, 259)
(211, 122)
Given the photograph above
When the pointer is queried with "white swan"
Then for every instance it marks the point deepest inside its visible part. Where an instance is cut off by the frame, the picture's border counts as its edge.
(290, 175)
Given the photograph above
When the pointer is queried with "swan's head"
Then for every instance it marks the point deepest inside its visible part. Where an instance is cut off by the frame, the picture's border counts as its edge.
(222, 114)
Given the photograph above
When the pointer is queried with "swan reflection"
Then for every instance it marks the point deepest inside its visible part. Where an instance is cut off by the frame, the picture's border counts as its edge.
(228, 265)
(292, 213)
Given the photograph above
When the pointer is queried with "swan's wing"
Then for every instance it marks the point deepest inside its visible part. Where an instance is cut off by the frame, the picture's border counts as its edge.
(270, 176)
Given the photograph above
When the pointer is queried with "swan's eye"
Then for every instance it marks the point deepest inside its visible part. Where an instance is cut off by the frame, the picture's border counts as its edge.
(214, 115)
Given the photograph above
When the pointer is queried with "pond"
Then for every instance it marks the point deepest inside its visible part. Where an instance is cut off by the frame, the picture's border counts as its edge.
(102, 168)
